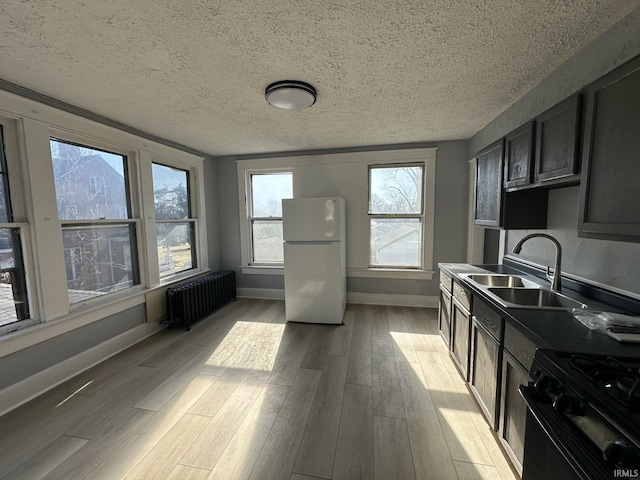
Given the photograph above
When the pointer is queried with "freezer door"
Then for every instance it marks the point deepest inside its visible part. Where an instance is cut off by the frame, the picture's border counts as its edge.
(314, 283)
(312, 219)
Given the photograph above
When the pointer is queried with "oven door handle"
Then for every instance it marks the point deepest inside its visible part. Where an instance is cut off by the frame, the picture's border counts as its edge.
(532, 398)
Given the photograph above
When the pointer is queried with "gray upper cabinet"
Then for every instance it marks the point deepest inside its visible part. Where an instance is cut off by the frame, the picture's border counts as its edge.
(518, 156)
(499, 209)
(610, 184)
(557, 143)
(488, 211)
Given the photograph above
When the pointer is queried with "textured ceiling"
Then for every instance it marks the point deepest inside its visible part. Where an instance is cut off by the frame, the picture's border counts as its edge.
(194, 71)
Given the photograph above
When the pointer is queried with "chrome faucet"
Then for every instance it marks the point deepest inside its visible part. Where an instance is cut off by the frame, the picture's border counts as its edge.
(557, 274)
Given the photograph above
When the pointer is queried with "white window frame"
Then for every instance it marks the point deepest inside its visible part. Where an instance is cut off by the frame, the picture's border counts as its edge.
(32, 124)
(16, 197)
(354, 190)
(420, 216)
(245, 202)
(192, 220)
(133, 221)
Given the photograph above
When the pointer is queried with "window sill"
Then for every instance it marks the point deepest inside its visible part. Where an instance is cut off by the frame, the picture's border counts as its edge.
(409, 274)
(180, 277)
(261, 270)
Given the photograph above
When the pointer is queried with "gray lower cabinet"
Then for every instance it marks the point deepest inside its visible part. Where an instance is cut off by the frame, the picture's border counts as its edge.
(444, 315)
(513, 409)
(460, 335)
(516, 362)
(484, 378)
(444, 310)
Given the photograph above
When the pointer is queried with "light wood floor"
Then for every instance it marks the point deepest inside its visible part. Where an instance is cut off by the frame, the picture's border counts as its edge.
(245, 395)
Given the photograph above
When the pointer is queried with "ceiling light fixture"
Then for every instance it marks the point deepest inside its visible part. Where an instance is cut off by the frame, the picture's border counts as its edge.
(290, 95)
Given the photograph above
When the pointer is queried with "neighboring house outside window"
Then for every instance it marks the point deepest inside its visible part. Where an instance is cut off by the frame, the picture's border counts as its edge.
(14, 305)
(98, 186)
(98, 233)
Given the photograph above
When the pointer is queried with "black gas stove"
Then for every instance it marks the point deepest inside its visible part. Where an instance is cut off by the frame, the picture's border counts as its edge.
(584, 417)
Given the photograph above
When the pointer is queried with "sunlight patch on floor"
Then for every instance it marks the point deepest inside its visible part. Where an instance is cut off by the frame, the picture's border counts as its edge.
(248, 345)
(74, 393)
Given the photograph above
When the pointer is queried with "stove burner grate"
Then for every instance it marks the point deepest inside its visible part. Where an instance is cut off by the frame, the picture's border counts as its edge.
(612, 376)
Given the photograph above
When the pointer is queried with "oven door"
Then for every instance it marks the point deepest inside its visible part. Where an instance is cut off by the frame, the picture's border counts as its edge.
(555, 448)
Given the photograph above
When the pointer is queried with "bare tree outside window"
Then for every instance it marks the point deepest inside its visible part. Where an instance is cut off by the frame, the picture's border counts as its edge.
(175, 230)
(396, 215)
(267, 192)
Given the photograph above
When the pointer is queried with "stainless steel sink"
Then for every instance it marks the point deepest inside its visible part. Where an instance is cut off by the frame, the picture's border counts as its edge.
(534, 298)
(502, 281)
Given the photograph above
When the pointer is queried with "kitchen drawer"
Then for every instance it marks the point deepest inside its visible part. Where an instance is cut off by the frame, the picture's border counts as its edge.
(462, 295)
(446, 281)
(519, 346)
(489, 318)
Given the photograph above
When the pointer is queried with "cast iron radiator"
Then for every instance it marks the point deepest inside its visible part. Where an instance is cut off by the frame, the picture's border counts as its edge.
(190, 301)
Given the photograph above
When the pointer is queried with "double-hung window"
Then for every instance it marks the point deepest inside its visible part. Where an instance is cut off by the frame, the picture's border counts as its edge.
(98, 229)
(175, 227)
(264, 205)
(14, 305)
(396, 215)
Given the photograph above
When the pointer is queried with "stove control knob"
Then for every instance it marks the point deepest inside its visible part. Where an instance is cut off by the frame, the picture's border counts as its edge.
(545, 384)
(569, 404)
(616, 452)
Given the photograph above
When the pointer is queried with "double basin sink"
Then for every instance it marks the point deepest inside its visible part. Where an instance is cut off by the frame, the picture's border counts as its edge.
(513, 291)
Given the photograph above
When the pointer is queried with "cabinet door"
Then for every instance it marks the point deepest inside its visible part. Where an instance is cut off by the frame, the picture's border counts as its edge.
(518, 156)
(460, 333)
(488, 204)
(609, 193)
(444, 315)
(513, 409)
(485, 371)
(557, 142)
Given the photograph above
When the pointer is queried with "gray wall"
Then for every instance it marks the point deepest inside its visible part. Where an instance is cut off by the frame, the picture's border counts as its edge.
(605, 262)
(609, 263)
(612, 48)
(210, 167)
(450, 237)
(29, 361)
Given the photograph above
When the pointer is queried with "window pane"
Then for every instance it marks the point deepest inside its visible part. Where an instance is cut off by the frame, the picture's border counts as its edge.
(175, 248)
(267, 192)
(4, 202)
(395, 190)
(90, 183)
(170, 192)
(13, 289)
(395, 242)
(267, 241)
(98, 260)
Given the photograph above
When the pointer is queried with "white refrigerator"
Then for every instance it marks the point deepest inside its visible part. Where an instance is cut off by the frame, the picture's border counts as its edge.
(315, 282)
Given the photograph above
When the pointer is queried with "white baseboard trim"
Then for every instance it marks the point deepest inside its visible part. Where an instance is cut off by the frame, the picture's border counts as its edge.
(352, 297)
(266, 293)
(15, 395)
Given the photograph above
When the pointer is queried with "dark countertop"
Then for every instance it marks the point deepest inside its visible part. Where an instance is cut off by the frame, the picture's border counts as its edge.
(556, 329)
